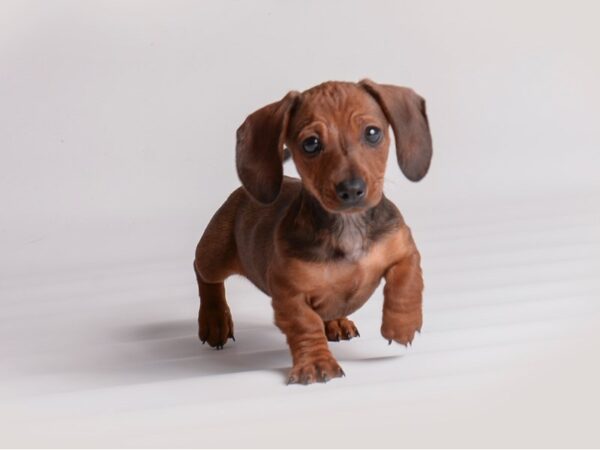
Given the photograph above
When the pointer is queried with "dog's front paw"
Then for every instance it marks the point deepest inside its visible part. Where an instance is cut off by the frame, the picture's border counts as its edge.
(215, 326)
(401, 327)
(318, 370)
(340, 329)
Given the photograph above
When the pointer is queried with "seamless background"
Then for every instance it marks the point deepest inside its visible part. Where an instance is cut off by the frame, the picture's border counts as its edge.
(124, 113)
(117, 126)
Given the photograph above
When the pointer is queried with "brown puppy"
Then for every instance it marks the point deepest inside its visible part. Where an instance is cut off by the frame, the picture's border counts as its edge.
(319, 246)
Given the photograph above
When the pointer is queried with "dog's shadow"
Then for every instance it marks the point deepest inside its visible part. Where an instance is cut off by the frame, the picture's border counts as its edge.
(167, 350)
(171, 350)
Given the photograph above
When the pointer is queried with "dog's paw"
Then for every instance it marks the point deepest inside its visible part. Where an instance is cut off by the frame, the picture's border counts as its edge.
(401, 328)
(215, 326)
(315, 371)
(340, 329)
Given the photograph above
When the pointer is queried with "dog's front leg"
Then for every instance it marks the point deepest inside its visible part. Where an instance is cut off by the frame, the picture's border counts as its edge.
(402, 304)
(305, 333)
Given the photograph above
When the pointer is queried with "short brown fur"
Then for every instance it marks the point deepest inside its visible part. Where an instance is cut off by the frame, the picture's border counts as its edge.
(297, 241)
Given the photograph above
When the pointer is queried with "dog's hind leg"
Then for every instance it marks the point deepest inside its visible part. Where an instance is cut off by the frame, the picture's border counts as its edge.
(215, 324)
(216, 259)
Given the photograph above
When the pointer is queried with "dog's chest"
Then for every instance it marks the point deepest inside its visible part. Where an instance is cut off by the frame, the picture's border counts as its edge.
(351, 243)
(337, 289)
(343, 295)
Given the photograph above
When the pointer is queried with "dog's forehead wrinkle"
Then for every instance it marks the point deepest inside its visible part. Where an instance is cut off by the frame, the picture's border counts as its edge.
(331, 89)
(343, 105)
(334, 95)
(339, 126)
(340, 120)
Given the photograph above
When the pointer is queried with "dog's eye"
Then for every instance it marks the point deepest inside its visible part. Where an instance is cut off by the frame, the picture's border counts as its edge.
(312, 145)
(373, 135)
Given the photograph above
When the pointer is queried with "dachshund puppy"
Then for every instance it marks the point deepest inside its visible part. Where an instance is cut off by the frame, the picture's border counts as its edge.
(319, 246)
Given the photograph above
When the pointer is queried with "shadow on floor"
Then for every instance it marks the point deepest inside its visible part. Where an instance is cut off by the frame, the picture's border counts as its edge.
(171, 350)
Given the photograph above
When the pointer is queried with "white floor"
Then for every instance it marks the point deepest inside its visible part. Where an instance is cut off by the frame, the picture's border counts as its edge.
(107, 354)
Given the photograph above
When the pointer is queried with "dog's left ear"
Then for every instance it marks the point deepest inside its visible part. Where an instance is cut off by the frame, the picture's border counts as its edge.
(260, 149)
(405, 110)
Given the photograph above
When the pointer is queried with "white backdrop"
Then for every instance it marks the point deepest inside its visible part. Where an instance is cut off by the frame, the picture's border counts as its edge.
(125, 112)
(117, 126)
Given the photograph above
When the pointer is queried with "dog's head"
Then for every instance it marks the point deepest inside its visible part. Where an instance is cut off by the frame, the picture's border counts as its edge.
(337, 134)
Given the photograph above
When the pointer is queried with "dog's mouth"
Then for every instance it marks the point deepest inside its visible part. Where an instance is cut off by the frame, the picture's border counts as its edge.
(354, 208)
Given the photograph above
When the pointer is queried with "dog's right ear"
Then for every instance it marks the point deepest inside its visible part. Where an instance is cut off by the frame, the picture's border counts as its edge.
(260, 148)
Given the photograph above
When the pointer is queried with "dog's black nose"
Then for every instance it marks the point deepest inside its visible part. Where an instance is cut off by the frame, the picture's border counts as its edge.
(351, 191)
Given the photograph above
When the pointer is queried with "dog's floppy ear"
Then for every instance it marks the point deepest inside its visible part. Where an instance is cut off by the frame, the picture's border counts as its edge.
(405, 110)
(260, 149)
